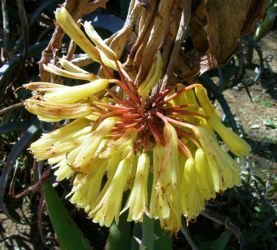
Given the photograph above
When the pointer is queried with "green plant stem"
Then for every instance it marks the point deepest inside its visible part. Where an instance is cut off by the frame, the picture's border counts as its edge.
(185, 232)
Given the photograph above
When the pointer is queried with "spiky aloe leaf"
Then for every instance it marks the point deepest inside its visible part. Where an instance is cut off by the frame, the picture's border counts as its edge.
(69, 235)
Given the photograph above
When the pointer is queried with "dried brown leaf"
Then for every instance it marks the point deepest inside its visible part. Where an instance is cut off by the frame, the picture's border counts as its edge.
(217, 26)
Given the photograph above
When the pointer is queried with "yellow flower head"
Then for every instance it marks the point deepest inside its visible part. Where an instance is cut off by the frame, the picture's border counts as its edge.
(120, 137)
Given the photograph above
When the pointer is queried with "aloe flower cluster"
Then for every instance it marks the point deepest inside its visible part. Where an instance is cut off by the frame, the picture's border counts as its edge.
(122, 138)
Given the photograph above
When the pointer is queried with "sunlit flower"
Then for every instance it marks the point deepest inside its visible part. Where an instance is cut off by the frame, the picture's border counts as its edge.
(119, 138)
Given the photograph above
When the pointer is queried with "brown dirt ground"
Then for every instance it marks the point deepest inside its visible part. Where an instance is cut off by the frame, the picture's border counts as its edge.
(258, 117)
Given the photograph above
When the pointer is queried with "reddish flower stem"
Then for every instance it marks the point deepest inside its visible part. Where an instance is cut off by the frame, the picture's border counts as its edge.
(127, 80)
(179, 123)
(159, 98)
(128, 92)
(156, 133)
(178, 93)
(161, 116)
(183, 133)
(186, 112)
(184, 149)
(123, 108)
(180, 107)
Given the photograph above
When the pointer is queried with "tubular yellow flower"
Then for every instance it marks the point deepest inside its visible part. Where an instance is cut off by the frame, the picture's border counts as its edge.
(204, 176)
(193, 202)
(74, 75)
(70, 27)
(52, 113)
(168, 175)
(63, 170)
(72, 68)
(87, 187)
(97, 40)
(236, 144)
(152, 78)
(159, 206)
(110, 199)
(138, 198)
(82, 155)
(121, 132)
(73, 94)
(69, 132)
(223, 168)
(204, 101)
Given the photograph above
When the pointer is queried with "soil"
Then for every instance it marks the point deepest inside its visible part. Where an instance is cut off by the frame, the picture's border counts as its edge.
(257, 117)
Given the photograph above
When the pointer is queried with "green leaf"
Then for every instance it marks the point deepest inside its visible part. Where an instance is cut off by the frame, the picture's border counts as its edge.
(69, 235)
(267, 23)
(219, 244)
(148, 232)
(137, 235)
(120, 235)
(164, 241)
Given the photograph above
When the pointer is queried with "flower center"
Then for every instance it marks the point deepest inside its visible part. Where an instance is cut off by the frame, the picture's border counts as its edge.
(147, 116)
